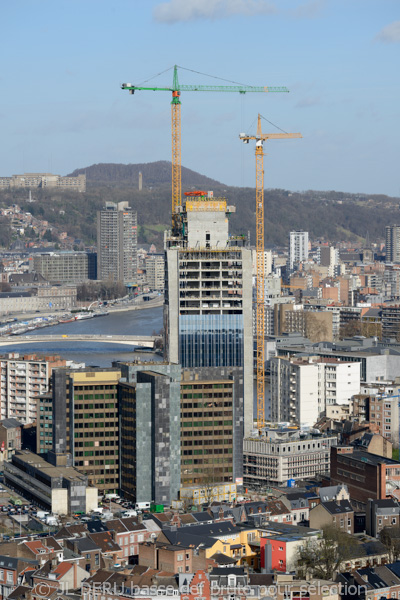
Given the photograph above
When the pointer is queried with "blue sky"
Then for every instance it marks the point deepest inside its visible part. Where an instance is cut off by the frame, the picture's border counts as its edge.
(64, 60)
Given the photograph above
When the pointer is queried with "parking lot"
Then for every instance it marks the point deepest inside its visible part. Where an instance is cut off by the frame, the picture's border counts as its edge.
(19, 517)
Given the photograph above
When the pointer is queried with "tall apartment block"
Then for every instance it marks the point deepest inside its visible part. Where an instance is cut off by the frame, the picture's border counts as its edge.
(85, 423)
(302, 388)
(44, 180)
(154, 264)
(65, 267)
(391, 321)
(298, 248)
(22, 380)
(208, 298)
(117, 243)
(379, 404)
(392, 242)
(328, 256)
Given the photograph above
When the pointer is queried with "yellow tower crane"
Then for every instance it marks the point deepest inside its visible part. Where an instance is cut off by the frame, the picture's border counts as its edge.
(260, 290)
(176, 90)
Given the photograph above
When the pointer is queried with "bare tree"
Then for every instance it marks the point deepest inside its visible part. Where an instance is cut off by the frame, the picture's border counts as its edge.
(323, 557)
(390, 538)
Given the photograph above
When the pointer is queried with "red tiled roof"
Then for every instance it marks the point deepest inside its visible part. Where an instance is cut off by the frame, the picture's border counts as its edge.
(62, 569)
(37, 545)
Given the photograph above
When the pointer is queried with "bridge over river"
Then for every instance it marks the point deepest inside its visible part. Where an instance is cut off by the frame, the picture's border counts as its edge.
(142, 341)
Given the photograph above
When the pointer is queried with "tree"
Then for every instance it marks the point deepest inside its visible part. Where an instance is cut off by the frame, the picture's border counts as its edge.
(390, 538)
(209, 484)
(322, 558)
(159, 343)
(350, 329)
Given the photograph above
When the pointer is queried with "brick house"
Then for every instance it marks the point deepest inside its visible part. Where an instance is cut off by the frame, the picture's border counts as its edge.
(10, 574)
(174, 558)
(128, 534)
(88, 549)
(108, 547)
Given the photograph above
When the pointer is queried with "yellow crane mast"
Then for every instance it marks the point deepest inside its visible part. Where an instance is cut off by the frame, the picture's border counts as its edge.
(260, 288)
(176, 90)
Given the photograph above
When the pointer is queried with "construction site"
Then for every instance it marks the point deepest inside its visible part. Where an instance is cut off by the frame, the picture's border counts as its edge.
(209, 300)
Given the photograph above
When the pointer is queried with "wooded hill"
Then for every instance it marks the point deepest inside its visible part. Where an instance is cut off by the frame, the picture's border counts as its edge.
(330, 215)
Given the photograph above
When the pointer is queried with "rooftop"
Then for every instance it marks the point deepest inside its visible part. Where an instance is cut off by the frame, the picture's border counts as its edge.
(33, 460)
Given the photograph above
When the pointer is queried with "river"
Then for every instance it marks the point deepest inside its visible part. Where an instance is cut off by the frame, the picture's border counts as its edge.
(100, 354)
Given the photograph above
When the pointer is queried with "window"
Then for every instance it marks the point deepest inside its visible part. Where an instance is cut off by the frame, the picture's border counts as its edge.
(10, 577)
(179, 557)
(1, 574)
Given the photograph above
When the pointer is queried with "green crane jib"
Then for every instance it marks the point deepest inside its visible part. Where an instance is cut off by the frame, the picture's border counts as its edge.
(176, 90)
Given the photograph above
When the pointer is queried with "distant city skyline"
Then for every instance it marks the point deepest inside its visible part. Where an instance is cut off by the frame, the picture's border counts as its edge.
(63, 108)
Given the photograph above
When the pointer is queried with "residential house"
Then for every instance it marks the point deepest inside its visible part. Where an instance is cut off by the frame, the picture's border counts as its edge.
(235, 541)
(10, 574)
(279, 545)
(69, 576)
(88, 549)
(108, 547)
(380, 514)
(128, 534)
(339, 514)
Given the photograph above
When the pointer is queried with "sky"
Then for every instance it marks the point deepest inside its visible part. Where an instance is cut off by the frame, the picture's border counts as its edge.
(62, 106)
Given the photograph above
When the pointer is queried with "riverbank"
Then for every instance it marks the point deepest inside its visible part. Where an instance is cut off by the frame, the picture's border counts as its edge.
(136, 304)
(96, 352)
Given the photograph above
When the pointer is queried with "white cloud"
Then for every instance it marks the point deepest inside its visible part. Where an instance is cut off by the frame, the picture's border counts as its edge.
(175, 11)
(390, 33)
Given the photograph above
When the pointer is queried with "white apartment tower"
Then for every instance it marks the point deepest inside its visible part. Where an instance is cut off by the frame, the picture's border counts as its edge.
(302, 387)
(298, 248)
(22, 380)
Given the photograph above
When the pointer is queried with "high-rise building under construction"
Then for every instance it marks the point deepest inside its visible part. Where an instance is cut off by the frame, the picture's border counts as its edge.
(208, 300)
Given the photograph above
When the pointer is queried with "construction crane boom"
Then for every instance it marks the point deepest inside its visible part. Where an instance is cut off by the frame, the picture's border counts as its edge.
(242, 89)
(260, 278)
(176, 90)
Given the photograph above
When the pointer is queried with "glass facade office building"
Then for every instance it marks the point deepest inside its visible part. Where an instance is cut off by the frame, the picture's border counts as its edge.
(211, 340)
